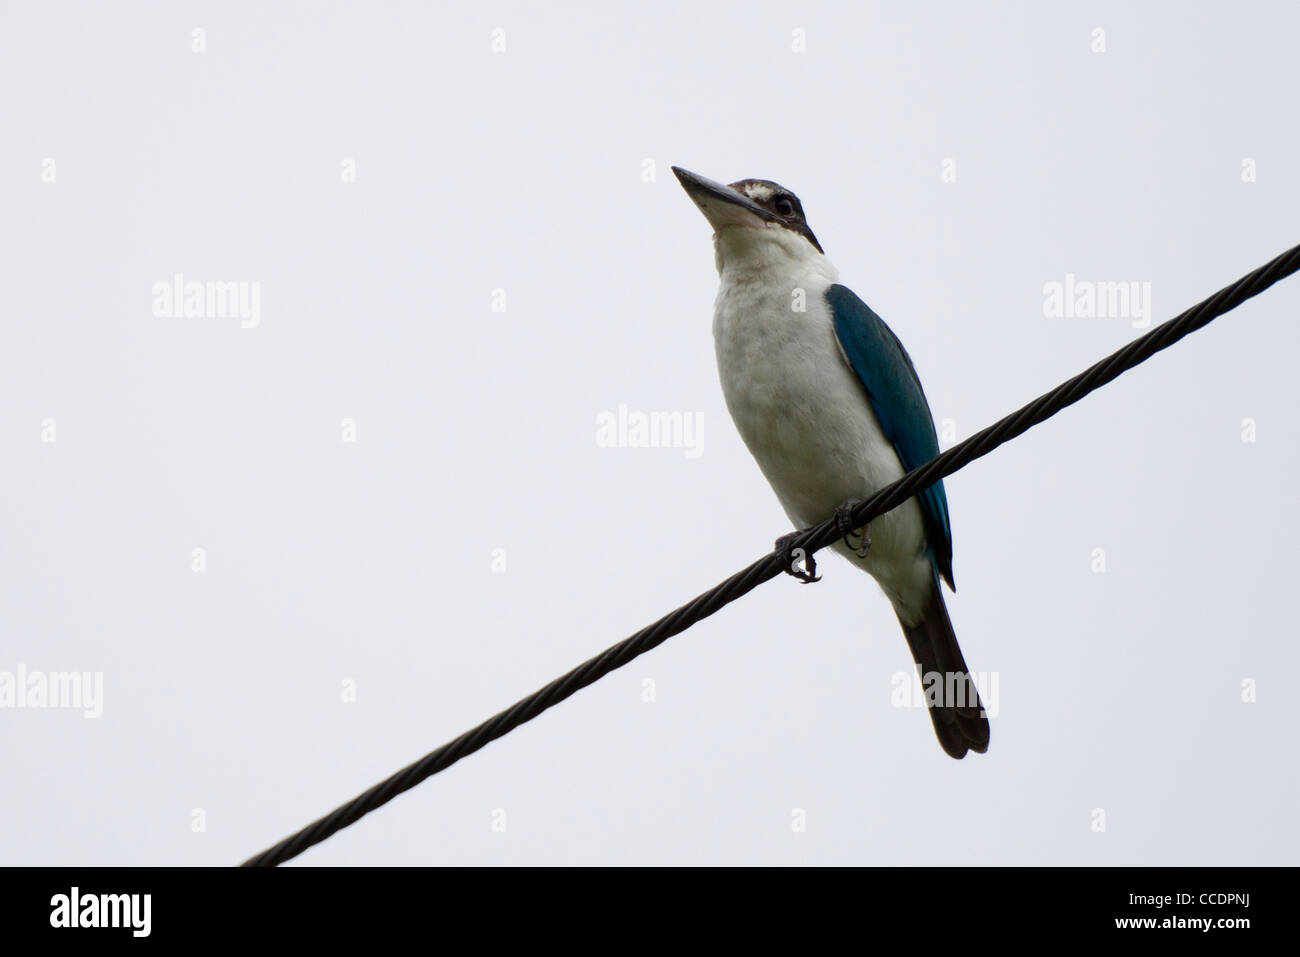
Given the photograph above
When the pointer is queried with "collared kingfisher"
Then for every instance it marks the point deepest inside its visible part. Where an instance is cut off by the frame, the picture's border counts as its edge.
(829, 404)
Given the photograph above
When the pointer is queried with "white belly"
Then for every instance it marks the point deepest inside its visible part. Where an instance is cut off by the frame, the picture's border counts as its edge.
(805, 417)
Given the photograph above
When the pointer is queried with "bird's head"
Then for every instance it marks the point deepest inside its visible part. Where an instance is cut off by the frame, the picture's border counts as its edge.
(753, 212)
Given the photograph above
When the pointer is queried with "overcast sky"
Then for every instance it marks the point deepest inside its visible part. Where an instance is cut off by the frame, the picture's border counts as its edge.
(307, 534)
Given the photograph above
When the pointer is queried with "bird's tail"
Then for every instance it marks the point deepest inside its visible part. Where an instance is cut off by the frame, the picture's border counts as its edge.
(951, 698)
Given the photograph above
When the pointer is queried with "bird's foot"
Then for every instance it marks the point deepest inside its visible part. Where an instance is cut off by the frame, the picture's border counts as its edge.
(844, 525)
(792, 556)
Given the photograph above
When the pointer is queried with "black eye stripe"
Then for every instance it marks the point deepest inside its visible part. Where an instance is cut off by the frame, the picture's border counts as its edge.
(773, 197)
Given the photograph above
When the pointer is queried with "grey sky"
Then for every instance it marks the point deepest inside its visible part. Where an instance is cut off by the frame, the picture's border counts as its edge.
(518, 179)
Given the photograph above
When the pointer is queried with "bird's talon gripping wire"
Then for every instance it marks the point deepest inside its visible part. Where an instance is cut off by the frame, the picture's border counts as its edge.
(785, 547)
(844, 525)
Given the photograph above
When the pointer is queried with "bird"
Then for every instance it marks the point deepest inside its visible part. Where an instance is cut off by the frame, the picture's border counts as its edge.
(829, 404)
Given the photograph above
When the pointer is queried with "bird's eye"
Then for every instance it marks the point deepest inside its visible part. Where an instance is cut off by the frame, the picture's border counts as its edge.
(784, 207)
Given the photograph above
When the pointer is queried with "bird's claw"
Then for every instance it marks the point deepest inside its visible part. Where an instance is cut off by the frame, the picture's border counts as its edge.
(844, 525)
(785, 547)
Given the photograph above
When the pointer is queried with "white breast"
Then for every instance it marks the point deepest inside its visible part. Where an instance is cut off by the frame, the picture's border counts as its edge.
(800, 408)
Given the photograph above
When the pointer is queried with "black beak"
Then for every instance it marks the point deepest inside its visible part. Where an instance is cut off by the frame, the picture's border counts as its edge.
(720, 204)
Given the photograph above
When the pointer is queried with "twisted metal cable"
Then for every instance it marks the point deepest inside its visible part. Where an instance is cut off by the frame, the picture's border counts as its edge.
(773, 564)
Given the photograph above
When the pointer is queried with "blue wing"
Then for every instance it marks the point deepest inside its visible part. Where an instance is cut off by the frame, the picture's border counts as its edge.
(894, 389)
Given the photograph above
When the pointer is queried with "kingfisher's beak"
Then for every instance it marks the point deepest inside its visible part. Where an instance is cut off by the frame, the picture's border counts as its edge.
(722, 205)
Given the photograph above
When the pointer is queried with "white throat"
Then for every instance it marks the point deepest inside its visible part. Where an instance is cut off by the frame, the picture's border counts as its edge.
(771, 252)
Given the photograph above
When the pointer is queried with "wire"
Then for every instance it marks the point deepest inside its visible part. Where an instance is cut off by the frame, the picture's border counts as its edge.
(774, 564)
